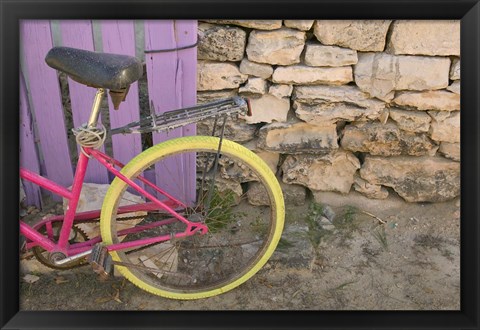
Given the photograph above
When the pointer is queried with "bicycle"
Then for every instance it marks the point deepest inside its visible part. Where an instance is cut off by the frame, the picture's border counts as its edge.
(196, 238)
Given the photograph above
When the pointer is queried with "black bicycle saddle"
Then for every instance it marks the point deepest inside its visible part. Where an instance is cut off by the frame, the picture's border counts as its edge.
(100, 70)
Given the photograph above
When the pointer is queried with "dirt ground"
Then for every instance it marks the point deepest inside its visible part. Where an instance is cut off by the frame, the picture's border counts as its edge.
(346, 260)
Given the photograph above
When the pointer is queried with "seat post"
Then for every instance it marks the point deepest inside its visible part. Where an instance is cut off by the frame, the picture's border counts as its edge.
(92, 121)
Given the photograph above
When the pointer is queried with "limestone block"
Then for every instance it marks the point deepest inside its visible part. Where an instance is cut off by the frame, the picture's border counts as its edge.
(254, 86)
(425, 37)
(362, 35)
(235, 130)
(320, 55)
(348, 94)
(331, 172)
(270, 158)
(252, 24)
(210, 96)
(307, 75)
(91, 199)
(280, 47)
(411, 121)
(455, 69)
(327, 113)
(454, 87)
(256, 69)
(280, 90)
(379, 74)
(218, 76)
(431, 100)
(445, 126)
(268, 108)
(370, 190)
(292, 194)
(385, 140)
(220, 43)
(299, 24)
(230, 187)
(415, 179)
(324, 105)
(298, 137)
(257, 194)
(450, 150)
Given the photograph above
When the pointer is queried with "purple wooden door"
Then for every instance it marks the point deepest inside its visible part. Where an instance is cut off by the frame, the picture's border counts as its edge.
(171, 85)
(44, 131)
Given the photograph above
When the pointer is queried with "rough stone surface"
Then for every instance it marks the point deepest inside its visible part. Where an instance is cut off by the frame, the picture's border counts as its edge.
(280, 90)
(370, 190)
(218, 76)
(255, 86)
(299, 24)
(450, 150)
(327, 113)
(256, 194)
(235, 130)
(455, 69)
(270, 158)
(411, 121)
(256, 69)
(416, 179)
(293, 194)
(298, 137)
(307, 75)
(301, 254)
(432, 100)
(385, 140)
(445, 126)
(220, 43)
(335, 94)
(91, 198)
(209, 96)
(379, 74)
(320, 55)
(268, 108)
(362, 35)
(454, 87)
(332, 172)
(280, 47)
(324, 105)
(226, 186)
(426, 37)
(252, 24)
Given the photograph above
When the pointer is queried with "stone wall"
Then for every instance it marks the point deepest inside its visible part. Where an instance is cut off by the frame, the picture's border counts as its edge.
(339, 105)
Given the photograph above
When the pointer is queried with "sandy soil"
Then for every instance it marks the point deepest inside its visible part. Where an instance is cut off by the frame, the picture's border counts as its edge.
(354, 262)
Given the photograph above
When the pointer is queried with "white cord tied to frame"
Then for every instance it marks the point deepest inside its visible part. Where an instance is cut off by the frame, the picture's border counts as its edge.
(90, 137)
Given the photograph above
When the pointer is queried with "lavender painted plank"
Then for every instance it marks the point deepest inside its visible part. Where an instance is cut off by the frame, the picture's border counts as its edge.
(79, 34)
(165, 74)
(36, 39)
(186, 34)
(28, 153)
(119, 37)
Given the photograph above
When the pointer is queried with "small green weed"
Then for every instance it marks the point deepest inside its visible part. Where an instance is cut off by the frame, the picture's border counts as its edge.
(381, 237)
(315, 231)
(220, 211)
(284, 244)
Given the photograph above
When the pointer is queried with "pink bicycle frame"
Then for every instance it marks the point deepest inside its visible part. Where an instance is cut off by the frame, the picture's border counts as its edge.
(46, 242)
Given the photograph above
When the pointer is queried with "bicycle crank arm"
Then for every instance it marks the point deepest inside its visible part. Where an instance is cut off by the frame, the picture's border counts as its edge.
(72, 258)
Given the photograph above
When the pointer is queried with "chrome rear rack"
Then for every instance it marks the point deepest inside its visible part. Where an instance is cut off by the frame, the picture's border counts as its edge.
(185, 116)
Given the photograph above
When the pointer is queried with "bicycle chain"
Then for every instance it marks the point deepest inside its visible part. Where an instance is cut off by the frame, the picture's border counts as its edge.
(37, 253)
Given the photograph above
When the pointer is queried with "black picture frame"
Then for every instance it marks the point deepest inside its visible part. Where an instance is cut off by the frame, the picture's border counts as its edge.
(12, 11)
